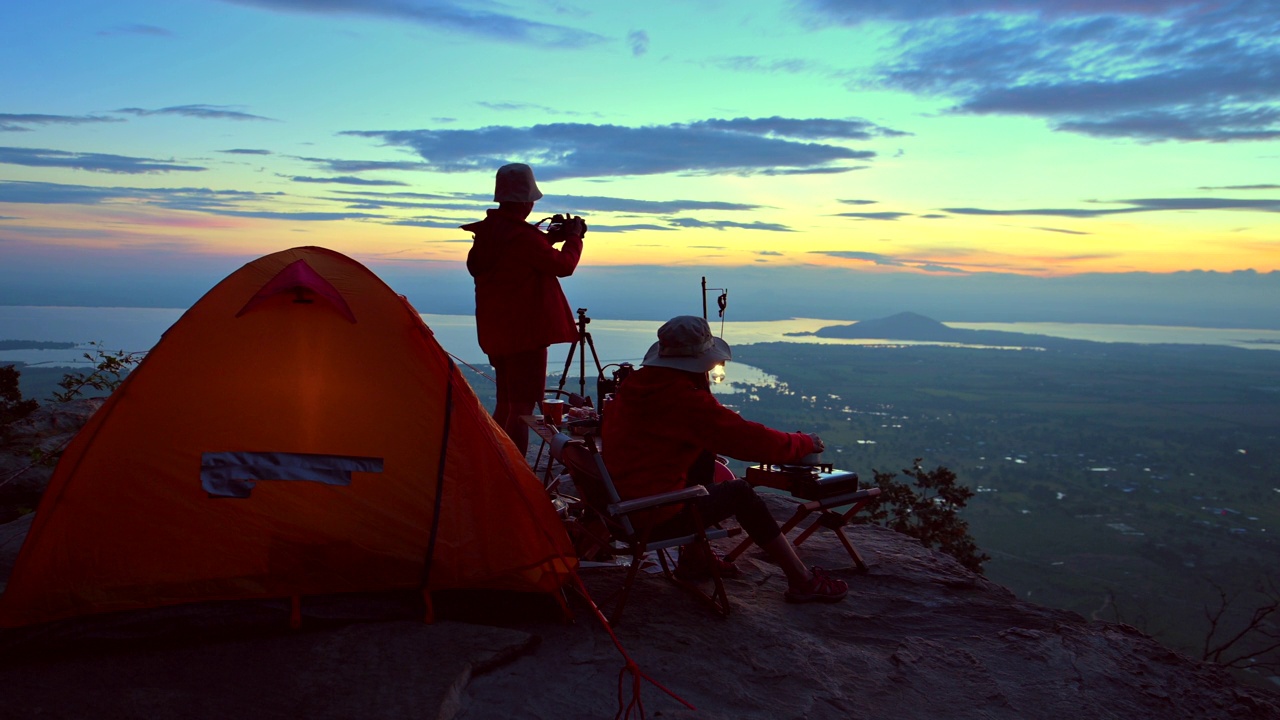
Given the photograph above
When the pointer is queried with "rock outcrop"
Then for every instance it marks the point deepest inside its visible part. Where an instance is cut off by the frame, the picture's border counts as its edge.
(917, 637)
(23, 476)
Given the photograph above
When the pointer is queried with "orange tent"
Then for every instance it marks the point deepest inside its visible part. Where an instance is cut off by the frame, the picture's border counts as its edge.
(298, 431)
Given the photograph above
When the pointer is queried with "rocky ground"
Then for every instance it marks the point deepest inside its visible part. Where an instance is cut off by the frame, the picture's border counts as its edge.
(26, 455)
(917, 637)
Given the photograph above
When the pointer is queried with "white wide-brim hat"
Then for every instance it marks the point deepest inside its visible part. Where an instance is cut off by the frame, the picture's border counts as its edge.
(686, 343)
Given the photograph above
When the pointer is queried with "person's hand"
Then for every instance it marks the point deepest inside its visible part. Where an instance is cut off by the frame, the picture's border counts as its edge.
(577, 227)
(818, 445)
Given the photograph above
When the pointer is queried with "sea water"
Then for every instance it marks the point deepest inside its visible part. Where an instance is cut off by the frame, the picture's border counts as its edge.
(614, 341)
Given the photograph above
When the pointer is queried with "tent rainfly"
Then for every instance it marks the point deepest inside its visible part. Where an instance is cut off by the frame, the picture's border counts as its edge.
(298, 431)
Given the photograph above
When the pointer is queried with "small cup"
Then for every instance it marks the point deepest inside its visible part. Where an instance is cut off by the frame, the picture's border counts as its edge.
(553, 412)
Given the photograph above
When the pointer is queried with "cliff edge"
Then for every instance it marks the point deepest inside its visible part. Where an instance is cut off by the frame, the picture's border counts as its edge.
(917, 637)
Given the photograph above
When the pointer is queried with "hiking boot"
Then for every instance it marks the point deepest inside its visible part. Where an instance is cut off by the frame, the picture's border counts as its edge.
(822, 588)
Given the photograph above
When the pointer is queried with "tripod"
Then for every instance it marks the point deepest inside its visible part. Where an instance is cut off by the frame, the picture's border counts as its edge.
(583, 342)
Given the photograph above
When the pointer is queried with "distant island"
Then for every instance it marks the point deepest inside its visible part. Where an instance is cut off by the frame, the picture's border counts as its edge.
(918, 328)
(34, 345)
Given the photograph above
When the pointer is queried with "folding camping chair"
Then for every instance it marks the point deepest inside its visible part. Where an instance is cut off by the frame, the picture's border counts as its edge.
(590, 476)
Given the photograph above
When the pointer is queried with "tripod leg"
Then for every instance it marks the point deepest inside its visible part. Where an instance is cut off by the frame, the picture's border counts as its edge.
(584, 338)
(595, 356)
(591, 343)
(568, 363)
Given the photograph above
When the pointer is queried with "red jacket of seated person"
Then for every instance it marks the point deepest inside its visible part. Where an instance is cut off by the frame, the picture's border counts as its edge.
(661, 419)
(519, 303)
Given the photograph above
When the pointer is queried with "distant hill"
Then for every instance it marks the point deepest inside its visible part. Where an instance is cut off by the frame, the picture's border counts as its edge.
(34, 345)
(918, 328)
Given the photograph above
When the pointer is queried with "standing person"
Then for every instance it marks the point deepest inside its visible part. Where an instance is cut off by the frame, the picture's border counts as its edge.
(664, 419)
(520, 308)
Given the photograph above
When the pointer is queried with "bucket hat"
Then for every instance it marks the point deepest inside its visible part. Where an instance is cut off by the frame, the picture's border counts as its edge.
(686, 343)
(515, 184)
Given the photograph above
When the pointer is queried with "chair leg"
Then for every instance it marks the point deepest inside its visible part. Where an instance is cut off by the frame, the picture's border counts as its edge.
(837, 523)
(637, 557)
(718, 600)
(719, 596)
(801, 513)
(825, 518)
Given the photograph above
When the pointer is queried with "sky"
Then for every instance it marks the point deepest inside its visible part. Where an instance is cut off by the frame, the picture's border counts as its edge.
(979, 160)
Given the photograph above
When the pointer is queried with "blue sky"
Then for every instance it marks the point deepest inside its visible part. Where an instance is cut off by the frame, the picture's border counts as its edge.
(1040, 149)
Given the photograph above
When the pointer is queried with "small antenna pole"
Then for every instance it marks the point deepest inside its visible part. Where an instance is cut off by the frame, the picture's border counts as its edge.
(704, 297)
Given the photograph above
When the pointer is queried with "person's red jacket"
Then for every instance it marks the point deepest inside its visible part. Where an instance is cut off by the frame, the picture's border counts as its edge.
(662, 419)
(519, 303)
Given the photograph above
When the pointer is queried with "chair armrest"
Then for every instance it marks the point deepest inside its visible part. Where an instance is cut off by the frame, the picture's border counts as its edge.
(559, 441)
(651, 501)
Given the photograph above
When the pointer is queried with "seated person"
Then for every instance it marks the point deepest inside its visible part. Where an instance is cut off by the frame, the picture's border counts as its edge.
(664, 419)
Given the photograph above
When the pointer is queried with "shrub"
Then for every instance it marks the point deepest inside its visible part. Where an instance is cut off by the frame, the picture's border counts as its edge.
(928, 511)
(109, 370)
(12, 407)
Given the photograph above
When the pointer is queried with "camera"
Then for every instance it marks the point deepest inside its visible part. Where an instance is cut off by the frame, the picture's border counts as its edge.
(563, 227)
(606, 386)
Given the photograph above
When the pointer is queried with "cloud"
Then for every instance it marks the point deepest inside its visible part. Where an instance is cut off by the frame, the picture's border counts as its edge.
(1182, 70)
(854, 13)
(203, 112)
(857, 202)
(513, 106)
(639, 42)
(1156, 204)
(397, 195)
(294, 216)
(945, 269)
(357, 166)
(767, 66)
(598, 228)
(56, 194)
(811, 171)
(445, 15)
(871, 257)
(14, 122)
(728, 224)
(577, 203)
(1135, 206)
(136, 29)
(406, 200)
(345, 180)
(245, 151)
(921, 264)
(440, 223)
(526, 107)
(1240, 187)
(804, 129)
(95, 162)
(874, 215)
(194, 199)
(771, 253)
(741, 146)
(1062, 230)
